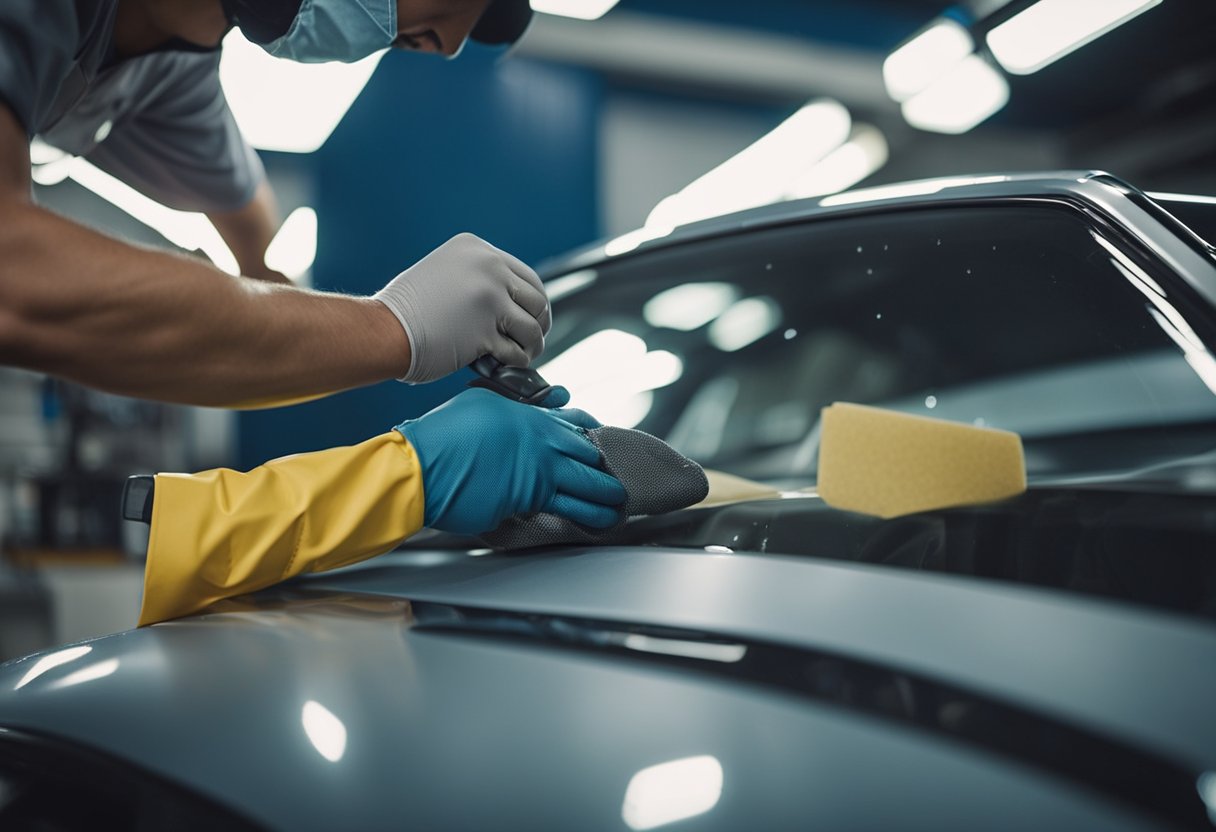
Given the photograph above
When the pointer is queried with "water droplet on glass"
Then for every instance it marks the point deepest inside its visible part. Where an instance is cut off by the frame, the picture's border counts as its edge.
(790, 333)
(930, 402)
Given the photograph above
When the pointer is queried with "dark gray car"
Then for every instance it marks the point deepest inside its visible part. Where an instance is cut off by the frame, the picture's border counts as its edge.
(764, 661)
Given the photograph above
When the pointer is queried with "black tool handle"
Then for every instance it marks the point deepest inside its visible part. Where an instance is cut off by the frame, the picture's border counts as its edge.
(519, 384)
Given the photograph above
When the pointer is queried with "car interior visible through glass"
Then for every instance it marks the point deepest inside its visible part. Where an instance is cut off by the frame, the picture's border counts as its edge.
(1015, 318)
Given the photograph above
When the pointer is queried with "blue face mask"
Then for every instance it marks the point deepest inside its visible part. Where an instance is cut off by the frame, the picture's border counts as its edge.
(337, 30)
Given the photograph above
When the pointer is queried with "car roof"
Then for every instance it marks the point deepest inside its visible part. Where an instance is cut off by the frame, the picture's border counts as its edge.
(1093, 192)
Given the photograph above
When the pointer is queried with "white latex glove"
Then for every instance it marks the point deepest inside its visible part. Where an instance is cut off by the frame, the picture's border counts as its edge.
(464, 300)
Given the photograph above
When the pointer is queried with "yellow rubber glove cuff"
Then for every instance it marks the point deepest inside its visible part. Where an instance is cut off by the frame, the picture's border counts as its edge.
(222, 533)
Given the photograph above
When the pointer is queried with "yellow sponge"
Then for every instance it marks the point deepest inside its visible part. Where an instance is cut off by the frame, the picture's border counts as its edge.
(879, 462)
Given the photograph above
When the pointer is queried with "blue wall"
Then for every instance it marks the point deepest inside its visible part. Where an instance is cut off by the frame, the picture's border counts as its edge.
(504, 149)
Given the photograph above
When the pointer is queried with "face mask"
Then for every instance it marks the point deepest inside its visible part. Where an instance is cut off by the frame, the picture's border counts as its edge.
(337, 30)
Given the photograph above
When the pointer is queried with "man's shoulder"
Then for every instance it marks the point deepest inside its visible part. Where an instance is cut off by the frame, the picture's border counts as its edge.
(45, 42)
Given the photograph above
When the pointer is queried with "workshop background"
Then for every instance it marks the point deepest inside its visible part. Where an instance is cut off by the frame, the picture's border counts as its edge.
(574, 136)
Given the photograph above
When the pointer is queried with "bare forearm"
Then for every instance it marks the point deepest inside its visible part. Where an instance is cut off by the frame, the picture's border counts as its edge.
(144, 323)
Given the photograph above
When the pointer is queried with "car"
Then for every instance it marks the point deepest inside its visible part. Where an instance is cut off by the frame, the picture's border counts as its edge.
(762, 660)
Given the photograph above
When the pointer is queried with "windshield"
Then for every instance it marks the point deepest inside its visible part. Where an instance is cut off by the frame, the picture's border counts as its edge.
(1015, 317)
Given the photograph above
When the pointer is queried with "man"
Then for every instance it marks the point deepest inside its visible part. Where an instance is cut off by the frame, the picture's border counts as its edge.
(132, 85)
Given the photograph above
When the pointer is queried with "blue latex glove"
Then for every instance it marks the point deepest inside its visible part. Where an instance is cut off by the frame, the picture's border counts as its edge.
(485, 458)
(557, 400)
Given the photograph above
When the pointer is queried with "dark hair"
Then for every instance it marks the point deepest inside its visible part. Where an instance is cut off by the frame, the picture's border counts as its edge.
(262, 21)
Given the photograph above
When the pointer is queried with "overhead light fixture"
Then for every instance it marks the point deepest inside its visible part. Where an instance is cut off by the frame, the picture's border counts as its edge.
(582, 9)
(761, 173)
(284, 105)
(926, 57)
(864, 153)
(1051, 29)
(294, 247)
(962, 98)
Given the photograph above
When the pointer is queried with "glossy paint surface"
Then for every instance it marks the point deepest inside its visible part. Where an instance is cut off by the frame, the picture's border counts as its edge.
(325, 708)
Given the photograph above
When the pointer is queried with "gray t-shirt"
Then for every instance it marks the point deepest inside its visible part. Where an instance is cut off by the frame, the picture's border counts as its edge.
(159, 122)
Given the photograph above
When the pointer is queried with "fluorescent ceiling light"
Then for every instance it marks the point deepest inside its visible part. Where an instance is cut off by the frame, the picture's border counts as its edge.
(689, 305)
(960, 99)
(864, 153)
(582, 9)
(285, 105)
(925, 58)
(294, 247)
(761, 173)
(1050, 29)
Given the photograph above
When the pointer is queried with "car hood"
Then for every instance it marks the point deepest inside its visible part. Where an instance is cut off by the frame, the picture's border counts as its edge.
(603, 687)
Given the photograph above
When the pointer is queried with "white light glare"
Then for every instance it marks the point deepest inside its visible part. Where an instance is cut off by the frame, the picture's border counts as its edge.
(568, 284)
(690, 305)
(921, 187)
(93, 672)
(726, 653)
(186, 229)
(294, 247)
(925, 58)
(285, 105)
(1206, 785)
(672, 791)
(610, 374)
(1051, 29)
(960, 99)
(1198, 199)
(746, 321)
(325, 731)
(582, 9)
(630, 240)
(761, 173)
(864, 153)
(51, 662)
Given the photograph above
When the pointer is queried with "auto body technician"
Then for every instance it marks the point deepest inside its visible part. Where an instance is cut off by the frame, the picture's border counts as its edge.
(133, 86)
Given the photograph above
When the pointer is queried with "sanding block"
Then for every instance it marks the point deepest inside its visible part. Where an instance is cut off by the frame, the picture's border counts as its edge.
(887, 464)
